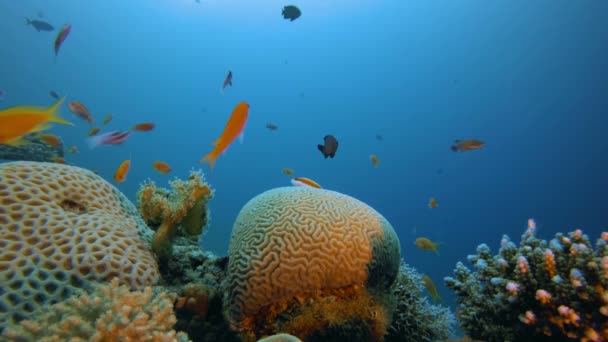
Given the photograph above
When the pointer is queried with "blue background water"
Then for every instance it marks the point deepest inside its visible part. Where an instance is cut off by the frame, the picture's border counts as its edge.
(527, 77)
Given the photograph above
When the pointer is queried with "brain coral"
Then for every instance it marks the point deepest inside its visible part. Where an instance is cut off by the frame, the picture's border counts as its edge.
(291, 240)
(61, 228)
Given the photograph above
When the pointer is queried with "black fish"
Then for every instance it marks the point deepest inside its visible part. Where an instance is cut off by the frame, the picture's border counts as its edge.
(39, 25)
(272, 126)
(291, 12)
(54, 94)
(330, 147)
(379, 137)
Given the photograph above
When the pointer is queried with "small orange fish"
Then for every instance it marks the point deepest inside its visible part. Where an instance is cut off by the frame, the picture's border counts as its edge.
(433, 203)
(58, 160)
(107, 119)
(143, 127)
(427, 245)
(305, 182)
(287, 171)
(161, 167)
(234, 128)
(93, 131)
(467, 145)
(15, 122)
(375, 160)
(50, 139)
(431, 288)
(121, 172)
(80, 111)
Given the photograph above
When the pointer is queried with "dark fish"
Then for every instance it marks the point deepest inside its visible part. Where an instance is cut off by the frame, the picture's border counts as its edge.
(291, 12)
(39, 25)
(61, 36)
(272, 126)
(54, 94)
(227, 80)
(379, 137)
(330, 147)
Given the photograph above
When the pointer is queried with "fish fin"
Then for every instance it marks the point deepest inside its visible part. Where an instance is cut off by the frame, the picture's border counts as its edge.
(332, 155)
(230, 83)
(93, 142)
(320, 147)
(242, 136)
(209, 158)
(17, 142)
(454, 148)
(27, 21)
(41, 127)
(54, 115)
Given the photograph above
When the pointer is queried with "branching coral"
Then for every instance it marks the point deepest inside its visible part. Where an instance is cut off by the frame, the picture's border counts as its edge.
(414, 318)
(184, 206)
(540, 291)
(111, 313)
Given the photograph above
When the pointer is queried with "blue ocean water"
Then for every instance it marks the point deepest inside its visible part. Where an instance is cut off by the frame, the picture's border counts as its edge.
(529, 78)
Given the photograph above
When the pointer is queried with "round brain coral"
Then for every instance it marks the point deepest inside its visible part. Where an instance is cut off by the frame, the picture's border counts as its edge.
(61, 228)
(293, 240)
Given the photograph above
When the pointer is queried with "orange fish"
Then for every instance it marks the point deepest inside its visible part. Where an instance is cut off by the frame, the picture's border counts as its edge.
(161, 167)
(58, 160)
(93, 131)
(143, 127)
(433, 203)
(80, 111)
(431, 288)
(121, 172)
(15, 122)
(375, 160)
(287, 171)
(427, 245)
(305, 182)
(234, 128)
(50, 139)
(467, 145)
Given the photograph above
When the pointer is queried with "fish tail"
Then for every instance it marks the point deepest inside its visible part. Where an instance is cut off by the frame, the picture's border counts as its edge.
(209, 158)
(52, 111)
(27, 21)
(93, 142)
(454, 148)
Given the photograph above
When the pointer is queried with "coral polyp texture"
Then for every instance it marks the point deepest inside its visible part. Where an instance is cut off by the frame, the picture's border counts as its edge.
(296, 242)
(62, 228)
(183, 209)
(539, 291)
(415, 318)
(110, 313)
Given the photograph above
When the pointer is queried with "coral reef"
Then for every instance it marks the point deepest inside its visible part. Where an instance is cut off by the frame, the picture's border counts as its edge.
(35, 150)
(181, 211)
(63, 228)
(415, 318)
(110, 313)
(291, 244)
(280, 338)
(541, 291)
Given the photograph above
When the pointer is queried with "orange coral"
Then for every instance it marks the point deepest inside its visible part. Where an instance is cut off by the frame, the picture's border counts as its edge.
(184, 206)
(111, 313)
(550, 263)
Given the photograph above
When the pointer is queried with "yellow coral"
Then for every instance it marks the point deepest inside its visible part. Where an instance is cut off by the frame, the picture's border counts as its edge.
(184, 206)
(111, 313)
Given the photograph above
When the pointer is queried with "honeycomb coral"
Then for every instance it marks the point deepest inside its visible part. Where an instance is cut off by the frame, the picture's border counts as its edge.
(292, 240)
(61, 228)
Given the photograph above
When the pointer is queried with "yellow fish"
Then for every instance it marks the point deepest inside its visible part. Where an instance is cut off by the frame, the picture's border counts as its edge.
(375, 160)
(15, 122)
(430, 287)
(427, 245)
(433, 203)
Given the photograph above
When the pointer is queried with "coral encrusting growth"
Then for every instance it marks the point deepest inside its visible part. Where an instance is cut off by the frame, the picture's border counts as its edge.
(110, 313)
(63, 228)
(183, 210)
(541, 291)
(415, 318)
